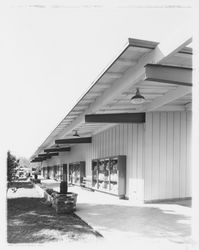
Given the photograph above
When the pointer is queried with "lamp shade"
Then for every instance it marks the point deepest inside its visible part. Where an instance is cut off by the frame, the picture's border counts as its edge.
(75, 133)
(137, 98)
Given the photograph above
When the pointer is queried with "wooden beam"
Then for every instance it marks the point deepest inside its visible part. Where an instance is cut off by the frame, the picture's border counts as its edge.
(38, 159)
(42, 157)
(57, 149)
(169, 74)
(116, 118)
(74, 140)
(170, 96)
(48, 154)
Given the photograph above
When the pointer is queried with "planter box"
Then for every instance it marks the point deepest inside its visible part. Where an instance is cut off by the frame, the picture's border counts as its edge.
(48, 197)
(64, 203)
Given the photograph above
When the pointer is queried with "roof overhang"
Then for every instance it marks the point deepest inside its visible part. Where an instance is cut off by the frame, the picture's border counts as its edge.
(162, 72)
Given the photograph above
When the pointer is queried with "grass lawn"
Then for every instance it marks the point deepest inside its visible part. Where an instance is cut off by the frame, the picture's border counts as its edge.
(30, 220)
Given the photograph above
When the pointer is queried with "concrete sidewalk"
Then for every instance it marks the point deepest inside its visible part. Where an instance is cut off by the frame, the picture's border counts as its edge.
(160, 226)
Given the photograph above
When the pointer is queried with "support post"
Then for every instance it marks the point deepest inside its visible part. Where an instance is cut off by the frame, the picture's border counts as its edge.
(64, 183)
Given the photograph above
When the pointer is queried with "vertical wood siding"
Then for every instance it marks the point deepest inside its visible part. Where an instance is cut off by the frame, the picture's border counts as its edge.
(167, 157)
(123, 139)
(188, 148)
(158, 155)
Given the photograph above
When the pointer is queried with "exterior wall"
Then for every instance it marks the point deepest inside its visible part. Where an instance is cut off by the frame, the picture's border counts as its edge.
(168, 154)
(158, 155)
(44, 164)
(81, 152)
(124, 139)
(51, 173)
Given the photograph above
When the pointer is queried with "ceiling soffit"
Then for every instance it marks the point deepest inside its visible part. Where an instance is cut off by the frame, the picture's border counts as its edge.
(133, 55)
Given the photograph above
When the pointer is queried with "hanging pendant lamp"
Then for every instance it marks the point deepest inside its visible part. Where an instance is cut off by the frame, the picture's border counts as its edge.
(137, 98)
(75, 133)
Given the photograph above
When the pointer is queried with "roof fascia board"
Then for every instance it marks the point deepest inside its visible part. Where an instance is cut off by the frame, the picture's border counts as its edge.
(142, 43)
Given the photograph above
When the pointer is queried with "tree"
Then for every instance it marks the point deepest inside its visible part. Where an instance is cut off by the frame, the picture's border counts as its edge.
(24, 162)
(12, 164)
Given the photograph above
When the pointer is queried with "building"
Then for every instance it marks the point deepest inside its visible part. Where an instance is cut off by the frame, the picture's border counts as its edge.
(140, 151)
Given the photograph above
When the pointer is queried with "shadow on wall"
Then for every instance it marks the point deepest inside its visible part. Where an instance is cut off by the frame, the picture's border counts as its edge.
(148, 222)
(30, 220)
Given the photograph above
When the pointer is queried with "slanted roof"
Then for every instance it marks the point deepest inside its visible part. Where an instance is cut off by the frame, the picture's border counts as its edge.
(112, 90)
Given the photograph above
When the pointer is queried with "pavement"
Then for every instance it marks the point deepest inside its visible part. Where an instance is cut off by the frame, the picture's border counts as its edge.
(157, 226)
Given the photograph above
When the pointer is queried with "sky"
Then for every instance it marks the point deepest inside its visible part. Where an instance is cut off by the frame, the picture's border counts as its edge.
(50, 55)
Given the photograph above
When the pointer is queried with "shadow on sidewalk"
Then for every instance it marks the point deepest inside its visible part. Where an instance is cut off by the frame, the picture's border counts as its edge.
(149, 222)
(30, 220)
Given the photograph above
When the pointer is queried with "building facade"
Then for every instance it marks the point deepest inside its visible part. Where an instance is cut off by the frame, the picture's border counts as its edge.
(157, 147)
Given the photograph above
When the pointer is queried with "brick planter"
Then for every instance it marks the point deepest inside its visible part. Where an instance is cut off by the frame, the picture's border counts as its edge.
(64, 203)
